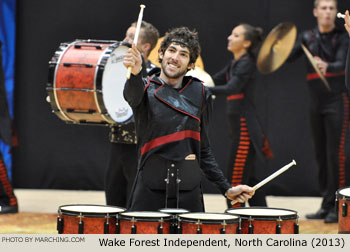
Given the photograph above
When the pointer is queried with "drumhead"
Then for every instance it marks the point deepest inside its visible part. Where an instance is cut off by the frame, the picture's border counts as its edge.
(173, 210)
(90, 209)
(208, 217)
(263, 212)
(344, 192)
(145, 214)
(113, 81)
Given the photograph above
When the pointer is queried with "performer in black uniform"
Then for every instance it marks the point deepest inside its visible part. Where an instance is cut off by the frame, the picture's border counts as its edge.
(236, 82)
(122, 163)
(8, 201)
(329, 110)
(172, 113)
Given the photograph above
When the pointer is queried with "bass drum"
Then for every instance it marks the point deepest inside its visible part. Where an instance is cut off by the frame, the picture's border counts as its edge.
(86, 82)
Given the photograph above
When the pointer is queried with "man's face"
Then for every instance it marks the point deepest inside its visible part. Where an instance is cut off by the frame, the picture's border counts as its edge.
(130, 35)
(175, 61)
(326, 12)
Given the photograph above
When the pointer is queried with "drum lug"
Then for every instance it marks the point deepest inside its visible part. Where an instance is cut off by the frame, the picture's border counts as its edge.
(81, 224)
(68, 64)
(60, 223)
(336, 203)
(199, 229)
(117, 226)
(106, 225)
(179, 227)
(133, 227)
(344, 209)
(239, 228)
(78, 46)
(251, 226)
(223, 229)
(160, 226)
(279, 226)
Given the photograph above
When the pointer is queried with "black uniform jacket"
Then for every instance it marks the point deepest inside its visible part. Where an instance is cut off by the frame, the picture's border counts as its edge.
(5, 120)
(331, 47)
(236, 82)
(173, 123)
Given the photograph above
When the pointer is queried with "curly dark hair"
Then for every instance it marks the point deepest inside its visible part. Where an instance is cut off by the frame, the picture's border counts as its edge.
(184, 37)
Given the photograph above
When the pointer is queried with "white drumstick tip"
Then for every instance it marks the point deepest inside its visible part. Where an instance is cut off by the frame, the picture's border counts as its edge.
(339, 15)
(142, 6)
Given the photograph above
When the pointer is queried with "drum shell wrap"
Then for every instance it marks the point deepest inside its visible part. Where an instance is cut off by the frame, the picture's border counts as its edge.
(79, 221)
(144, 224)
(343, 202)
(266, 224)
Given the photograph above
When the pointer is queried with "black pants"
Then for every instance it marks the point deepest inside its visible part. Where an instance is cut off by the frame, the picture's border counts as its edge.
(329, 117)
(241, 166)
(146, 199)
(120, 173)
(7, 197)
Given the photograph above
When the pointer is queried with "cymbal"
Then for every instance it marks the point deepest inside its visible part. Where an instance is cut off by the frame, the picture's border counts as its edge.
(276, 47)
(201, 75)
(314, 64)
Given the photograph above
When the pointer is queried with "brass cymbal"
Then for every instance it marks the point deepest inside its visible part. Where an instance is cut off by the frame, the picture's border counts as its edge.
(314, 64)
(276, 47)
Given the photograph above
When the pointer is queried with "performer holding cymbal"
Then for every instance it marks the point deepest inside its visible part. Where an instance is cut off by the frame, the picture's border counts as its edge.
(236, 81)
(329, 107)
(172, 113)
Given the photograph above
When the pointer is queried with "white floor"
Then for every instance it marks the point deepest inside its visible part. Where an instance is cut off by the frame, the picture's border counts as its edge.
(48, 201)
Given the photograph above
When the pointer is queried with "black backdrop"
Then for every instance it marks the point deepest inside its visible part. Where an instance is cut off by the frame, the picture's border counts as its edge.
(52, 154)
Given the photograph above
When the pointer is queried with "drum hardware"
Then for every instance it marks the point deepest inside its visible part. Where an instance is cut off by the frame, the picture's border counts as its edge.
(117, 224)
(60, 223)
(251, 226)
(81, 224)
(279, 226)
(160, 227)
(344, 209)
(223, 229)
(78, 46)
(177, 188)
(276, 47)
(81, 111)
(69, 64)
(296, 226)
(199, 230)
(167, 181)
(106, 224)
(133, 226)
(239, 228)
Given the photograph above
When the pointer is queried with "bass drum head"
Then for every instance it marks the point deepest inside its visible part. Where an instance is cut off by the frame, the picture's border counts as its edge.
(113, 81)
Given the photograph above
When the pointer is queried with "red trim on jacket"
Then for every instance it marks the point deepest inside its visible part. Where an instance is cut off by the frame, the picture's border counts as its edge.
(314, 76)
(235, 97)
(177, 136)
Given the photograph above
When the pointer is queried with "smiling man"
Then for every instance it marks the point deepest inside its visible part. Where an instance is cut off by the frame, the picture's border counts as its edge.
(171, 114)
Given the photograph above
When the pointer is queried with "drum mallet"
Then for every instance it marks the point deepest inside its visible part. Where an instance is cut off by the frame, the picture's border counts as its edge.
(339, 15)
(138, 27)
(269, 178)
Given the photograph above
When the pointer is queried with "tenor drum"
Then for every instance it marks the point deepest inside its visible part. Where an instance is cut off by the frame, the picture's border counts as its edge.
(263, 220)
(343, 205)
(208, 223)
(145, 223)
(88, 219)
(86, 82)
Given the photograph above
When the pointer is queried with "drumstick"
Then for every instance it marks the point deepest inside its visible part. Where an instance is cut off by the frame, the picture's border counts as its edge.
(136, 37)
(269, 178)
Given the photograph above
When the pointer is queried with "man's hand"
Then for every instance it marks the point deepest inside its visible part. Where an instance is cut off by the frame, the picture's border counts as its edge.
(347, 22)
(241, 193)
(133, 59)
(322, 65)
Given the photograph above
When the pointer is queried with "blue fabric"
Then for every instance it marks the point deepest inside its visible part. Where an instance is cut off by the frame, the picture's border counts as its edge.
(8, 39)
